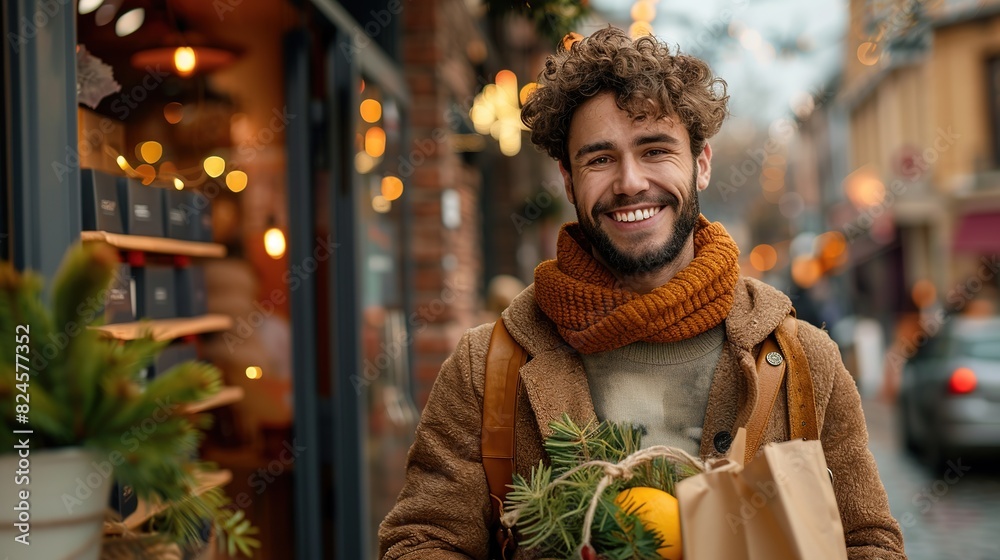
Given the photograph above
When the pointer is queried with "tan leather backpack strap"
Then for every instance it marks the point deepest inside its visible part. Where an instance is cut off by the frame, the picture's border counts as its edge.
(503, 362)
(770, 372)
(802, 421)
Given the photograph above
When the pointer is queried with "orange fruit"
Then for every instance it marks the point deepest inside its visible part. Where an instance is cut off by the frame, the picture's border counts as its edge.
(659, 512)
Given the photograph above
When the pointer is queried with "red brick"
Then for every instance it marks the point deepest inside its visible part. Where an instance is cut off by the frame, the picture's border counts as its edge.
(422, 53)
(428, 279)
(420, 16)
(420, 83)
(432, 346)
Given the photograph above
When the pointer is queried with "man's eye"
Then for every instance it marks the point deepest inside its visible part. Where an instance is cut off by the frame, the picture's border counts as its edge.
(600, 160)
(656, 152)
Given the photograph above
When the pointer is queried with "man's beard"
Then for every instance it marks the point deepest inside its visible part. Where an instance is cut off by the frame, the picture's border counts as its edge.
(655, 258)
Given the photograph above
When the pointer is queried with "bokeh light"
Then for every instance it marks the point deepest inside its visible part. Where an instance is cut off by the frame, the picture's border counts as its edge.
(173, 112)
(147, 173)
(236, 180)
(380, 204)
(392, 187)
(375, 141)
(806, 271)
(763, 257)
(185, 60)
(643, 10)
(274, 243)
(214, 166)
(150, 151)
(371, 110)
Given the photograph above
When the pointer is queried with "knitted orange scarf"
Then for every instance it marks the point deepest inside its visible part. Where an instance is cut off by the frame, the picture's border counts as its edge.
(578, 293)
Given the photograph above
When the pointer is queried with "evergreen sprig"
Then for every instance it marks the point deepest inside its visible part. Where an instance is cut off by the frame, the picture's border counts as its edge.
(85, 390)
(184, 521)
(550, 511)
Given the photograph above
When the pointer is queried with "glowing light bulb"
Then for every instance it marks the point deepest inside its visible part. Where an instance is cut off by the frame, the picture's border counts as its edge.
(371, 110)
(236, 180)
(274, 243)
(380, 204)
(392, 187)
(375, 142)
(87, 6)
(185, 60)
(643, 10)
(129, 22)
(151, 151)
(214, 166)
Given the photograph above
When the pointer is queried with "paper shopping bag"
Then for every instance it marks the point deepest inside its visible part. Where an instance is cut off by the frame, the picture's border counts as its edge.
(780, 506)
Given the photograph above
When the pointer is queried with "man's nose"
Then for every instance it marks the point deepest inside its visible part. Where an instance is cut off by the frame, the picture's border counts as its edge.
(631, 181)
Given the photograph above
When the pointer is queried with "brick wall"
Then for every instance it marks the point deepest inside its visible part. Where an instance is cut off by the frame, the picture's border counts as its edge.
(447, 262)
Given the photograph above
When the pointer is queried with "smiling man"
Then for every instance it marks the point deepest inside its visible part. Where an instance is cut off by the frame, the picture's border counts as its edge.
(624, 172)
(643, 316)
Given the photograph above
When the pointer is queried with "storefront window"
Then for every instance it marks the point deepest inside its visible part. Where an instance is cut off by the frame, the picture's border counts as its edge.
(392, 415)
(184, 115)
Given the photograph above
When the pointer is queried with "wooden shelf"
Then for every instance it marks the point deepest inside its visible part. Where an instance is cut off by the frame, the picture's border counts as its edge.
(228, 395)
(145, 511)
(168, 329)
(156, 244)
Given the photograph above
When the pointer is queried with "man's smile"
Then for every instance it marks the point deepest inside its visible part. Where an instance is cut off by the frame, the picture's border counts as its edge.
(636, 214)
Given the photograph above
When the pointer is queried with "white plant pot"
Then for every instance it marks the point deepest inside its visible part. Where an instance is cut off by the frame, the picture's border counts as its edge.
(68, 494)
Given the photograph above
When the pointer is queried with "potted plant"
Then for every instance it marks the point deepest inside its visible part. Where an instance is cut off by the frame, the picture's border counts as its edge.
(76, 414)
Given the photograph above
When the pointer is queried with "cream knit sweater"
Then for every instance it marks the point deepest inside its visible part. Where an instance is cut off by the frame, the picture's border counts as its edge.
(660, 387)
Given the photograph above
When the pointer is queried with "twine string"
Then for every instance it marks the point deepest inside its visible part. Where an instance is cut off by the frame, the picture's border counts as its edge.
(623, 470)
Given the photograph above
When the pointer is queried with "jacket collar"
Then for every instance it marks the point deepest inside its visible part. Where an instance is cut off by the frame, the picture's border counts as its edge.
(554, 377)
(758, 309)
(556, 382)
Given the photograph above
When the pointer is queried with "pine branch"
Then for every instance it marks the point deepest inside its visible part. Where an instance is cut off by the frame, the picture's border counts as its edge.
(549, 507)
(184, 522)
(86, 391)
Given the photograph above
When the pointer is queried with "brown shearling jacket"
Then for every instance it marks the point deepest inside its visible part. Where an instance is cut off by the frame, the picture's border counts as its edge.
(443, 511)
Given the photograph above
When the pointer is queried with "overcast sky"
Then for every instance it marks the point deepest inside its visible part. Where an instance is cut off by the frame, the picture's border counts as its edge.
(762, 81)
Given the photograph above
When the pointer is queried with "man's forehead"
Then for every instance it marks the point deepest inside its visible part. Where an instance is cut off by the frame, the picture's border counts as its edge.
(595, 124)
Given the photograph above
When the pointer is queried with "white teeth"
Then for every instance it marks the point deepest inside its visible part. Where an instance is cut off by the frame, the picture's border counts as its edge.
(635, 215)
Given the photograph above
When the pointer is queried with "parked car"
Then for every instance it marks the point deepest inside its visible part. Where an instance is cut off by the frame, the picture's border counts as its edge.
(949, 400)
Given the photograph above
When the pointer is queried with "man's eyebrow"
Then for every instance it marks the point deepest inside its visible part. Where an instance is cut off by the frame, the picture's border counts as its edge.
(594, 147)
(656, 139)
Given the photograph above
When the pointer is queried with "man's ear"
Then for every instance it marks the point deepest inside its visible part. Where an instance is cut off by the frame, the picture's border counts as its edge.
(567, 183)
(704, 163)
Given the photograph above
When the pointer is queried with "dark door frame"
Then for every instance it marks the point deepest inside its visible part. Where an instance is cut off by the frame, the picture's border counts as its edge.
(43, 177)
(349, 53)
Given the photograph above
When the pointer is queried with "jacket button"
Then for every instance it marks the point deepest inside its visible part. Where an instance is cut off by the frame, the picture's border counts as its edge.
(774, 358)
(722, 441)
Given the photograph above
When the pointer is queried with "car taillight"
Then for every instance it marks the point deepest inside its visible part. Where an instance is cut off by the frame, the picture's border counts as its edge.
(962, 381)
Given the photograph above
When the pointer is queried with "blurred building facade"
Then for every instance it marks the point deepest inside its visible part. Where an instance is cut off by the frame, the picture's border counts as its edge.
(897, 161)
(921, 89)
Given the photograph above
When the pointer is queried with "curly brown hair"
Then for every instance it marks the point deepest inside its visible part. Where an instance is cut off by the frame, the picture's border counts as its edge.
(645, 77)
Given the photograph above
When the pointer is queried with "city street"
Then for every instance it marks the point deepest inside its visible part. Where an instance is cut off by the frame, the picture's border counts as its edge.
(949, 515)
